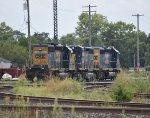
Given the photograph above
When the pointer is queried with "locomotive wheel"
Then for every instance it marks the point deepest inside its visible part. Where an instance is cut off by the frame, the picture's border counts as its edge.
(43, 76)
(100, 76)
(76, 76)
(40, 76)
(30, 77)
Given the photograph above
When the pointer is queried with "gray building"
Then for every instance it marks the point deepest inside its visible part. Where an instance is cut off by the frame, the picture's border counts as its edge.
(4, 63)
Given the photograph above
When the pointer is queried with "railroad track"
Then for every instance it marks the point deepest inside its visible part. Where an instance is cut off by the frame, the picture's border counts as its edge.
(104, 83)
(97, 85)
(68, 111)
(142, 95)
(11, 98)
(6, 88)
(86, 108)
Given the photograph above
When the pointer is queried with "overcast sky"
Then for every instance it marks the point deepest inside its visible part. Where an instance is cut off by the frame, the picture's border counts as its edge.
(41, 11)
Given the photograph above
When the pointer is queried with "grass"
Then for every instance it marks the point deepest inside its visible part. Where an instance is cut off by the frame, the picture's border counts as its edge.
(139, 75)
(124, 86)
(122, 90)
(67, 88)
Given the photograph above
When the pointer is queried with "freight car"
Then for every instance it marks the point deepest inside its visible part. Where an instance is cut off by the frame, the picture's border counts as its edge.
(73, 61)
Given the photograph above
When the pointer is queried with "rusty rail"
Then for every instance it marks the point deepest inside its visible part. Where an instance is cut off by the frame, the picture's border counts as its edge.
(63, 102)
(68, 111)
(104, 83)
(142, 95)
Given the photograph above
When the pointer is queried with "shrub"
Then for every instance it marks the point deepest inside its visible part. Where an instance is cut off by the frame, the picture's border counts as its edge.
(147, 68)
(121, 94)
(120, 91)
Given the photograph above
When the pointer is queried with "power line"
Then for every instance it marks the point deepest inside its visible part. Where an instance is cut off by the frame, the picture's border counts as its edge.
(138, 60)
(146, 21)
(23, 29)
(35, 29)
(89, 11)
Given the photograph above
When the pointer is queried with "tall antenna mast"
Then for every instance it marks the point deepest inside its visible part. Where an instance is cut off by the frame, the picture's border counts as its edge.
(55, 21)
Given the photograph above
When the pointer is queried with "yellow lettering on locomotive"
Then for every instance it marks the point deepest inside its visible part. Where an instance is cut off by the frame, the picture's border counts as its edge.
(57, 56)
(40, 55)
(73, 58)
(96, 56)
(107, 58)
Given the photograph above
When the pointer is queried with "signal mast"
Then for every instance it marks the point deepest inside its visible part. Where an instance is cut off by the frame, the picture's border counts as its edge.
(55, 21)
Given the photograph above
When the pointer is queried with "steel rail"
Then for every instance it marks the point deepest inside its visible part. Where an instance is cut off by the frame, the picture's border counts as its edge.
(85, 111)
(104, 83)
(50, 101)
(142, 95)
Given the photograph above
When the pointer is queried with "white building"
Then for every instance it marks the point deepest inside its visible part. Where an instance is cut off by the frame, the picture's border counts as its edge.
(5, 63)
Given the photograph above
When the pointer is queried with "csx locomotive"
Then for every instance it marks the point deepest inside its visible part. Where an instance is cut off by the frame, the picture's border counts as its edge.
(73, 61)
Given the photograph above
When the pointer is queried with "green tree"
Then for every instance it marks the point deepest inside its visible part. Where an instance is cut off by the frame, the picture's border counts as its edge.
(17, 35)
(123, 37)
(98, 25)
(69, 39)
(147, 54)
(13, 52)
(42, 37)
(23, 42)
(6, 32)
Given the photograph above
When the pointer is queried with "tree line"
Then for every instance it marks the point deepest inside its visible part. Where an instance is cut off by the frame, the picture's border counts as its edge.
(123, 36)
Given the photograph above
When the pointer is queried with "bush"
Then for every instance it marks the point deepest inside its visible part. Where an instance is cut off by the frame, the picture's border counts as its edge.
(121, 94)
(147, 68)
(120, 91)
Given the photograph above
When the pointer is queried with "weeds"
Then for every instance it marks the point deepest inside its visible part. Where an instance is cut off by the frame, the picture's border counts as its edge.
(67, 88)
(125, 86)
(57, 111)
(122, 90)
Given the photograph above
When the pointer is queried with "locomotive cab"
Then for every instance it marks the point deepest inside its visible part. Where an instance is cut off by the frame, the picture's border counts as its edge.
(39, 67)
(111, 62)
(39, 55)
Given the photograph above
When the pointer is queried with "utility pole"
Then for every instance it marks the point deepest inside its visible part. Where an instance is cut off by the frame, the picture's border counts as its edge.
(138, 59)
(89, 11)
(29, 37)
(55, 21)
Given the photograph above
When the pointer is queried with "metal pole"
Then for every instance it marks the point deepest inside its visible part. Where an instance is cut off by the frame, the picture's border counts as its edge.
(29, 37)
(89, 29)
(138, 58)
(89, 25)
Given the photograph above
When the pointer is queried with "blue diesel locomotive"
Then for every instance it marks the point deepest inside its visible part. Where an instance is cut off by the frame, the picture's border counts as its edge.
(73, 61)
